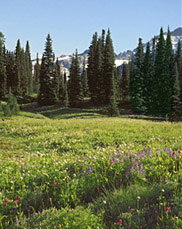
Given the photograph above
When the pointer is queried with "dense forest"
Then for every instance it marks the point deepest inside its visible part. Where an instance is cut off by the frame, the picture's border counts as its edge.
(150, 84)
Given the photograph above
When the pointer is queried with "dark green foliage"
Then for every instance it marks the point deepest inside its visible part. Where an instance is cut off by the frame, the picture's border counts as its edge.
(29, 69)
(11, 108)
(113, 107)
(65, 92)
(99, 90)
(176, 107)
(137, 82)
(60, 85)
(3, 78)
(11, 71)
(125, 83)
(109, 60)
(168, 78)
(178, 60)
(36, 83)
(55, 81)
(23, 73)
(100, 68)
(84, 81)
(74, 83)
(148, 79)
(47, 91)
(159, 77)
(6, 110)
(17, 81)
(92, 78)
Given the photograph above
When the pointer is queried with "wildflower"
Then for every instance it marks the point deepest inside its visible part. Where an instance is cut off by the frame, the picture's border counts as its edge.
(163, 158)
(138, 197)
(59, 225)
(55, 183)
(105, 167)
(6, 200)
(179, 151)
(98, 210)
(173, 153)
(104, 201)
(120, 221)
(162, 190)
(131, 210)
(16, 201)
(111, 162)
(167, 209)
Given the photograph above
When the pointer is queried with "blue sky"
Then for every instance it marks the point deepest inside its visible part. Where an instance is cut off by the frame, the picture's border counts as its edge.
(72, 23)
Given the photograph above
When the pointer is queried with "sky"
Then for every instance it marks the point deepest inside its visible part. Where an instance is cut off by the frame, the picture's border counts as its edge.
(72, 23)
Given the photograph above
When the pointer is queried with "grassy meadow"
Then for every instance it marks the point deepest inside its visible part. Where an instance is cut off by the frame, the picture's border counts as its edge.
(71, 168)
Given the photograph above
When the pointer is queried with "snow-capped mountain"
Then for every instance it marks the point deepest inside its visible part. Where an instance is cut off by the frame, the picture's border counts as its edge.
(123, 57)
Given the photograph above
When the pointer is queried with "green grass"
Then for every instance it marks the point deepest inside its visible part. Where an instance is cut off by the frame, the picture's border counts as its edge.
(62, 159)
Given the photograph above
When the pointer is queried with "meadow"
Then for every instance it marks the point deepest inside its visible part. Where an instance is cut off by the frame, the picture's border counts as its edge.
(71, 168)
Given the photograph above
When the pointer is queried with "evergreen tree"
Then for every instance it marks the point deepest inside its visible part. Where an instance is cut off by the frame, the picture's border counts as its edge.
(56, 80)
(3, 77)
(178, 60)
(91, 67)
(11, 71)
(18, 90)
(148, 78)
(99, 90)
(84, 81)
(109, 65)
(29, 68)
(12, 107)
(153, 49)
(66, 98)
(60, 89)
(36, 75)
(159, 77)
(168, 77)
(112, 106)
(137, 82)
(74, 90)
(23, 73)
(47, 91)
(176, 107)
(125, 83)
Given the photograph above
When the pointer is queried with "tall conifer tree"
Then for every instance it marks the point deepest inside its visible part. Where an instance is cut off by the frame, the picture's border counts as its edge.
(91, 67)
(148, 78)
(84, 80)
(36, 75)
(18, 69)
(11, 71)
(109, 65)
(112, 106)
(159, 75)
(29, 68)
(47, 92)
(176, 105)
(178, 60)
(75, 90)
(3, 77)
(137, 82)
(168, 77)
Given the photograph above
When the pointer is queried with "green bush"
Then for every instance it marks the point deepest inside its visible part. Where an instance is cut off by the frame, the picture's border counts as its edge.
(12, 107)
(64, 218)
